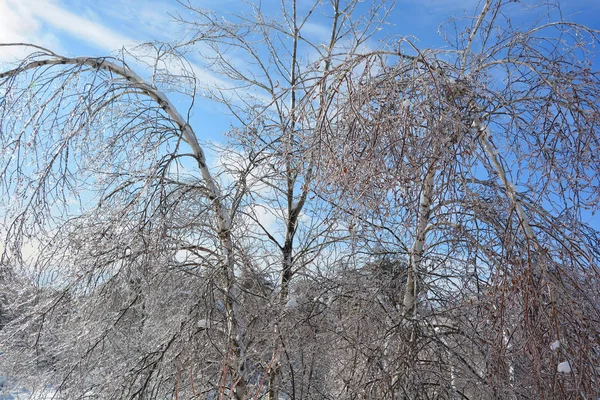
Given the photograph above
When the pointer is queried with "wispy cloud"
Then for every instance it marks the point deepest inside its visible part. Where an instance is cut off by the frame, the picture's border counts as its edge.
(43, 21)
(84, 29)
(320, 33)
(49, 23)
(442, 6)
(19, 24)
(150, 18)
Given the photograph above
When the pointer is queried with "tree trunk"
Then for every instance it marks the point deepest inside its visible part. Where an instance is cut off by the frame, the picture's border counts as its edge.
(416, 254)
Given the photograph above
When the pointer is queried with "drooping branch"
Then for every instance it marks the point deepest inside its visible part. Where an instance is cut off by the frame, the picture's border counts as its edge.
(50, 59)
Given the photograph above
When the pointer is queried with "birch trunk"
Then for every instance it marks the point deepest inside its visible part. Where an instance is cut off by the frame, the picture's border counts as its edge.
(416, 255)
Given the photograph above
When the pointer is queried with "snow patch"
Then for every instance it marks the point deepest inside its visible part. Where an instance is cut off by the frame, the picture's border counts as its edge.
(204, 324)
(564, 367)
(555, 345)
(291, 303)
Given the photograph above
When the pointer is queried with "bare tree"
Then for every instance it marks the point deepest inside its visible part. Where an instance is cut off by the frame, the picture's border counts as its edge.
(282, 81)
(63, 118)
(479, 162)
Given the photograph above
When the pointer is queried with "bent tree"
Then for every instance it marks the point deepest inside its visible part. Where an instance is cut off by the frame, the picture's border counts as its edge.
(479, 163)
(383, 222)
(91, 111)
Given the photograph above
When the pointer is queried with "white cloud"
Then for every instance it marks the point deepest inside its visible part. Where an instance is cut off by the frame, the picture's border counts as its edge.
(85, 30)
(443, 6)
(19, 24)
(31, 21)
(319, 32)
(267, 216)
(39, 21)
(30, 248)
(152, 18)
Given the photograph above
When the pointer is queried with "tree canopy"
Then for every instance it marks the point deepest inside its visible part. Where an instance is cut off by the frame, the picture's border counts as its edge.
(383, 221)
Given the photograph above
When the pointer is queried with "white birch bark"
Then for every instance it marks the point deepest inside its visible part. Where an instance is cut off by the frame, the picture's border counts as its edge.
(417, 250)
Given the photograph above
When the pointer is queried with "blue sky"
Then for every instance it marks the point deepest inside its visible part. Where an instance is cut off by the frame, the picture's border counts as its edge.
(85, 27)
(94, 28)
